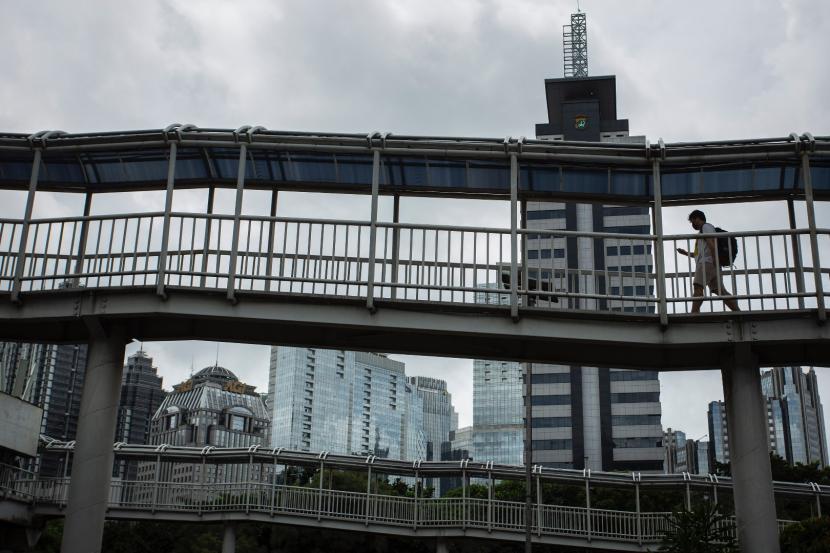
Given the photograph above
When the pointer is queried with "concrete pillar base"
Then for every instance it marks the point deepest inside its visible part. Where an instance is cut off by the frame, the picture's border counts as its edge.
(89, 489)
(229, 539)
(746, 418)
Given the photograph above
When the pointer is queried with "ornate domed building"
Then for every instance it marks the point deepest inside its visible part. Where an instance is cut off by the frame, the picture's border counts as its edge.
(211, 408)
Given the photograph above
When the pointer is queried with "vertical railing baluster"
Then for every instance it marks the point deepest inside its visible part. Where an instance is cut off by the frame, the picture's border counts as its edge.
(514, 270)
(746, 274)
(161, 268)
(109, 258)
(138, 221)
(370, 285)
(269, 262)
(24, 230)
(237, 213)
(179, 255)
(774, 274)
(122, 252)
(192, 250)
(796, 245)
(208, 228)
(45, 256)
(659, 257)
(147, 253)
(788, 289)
(760, 270)
(811, 221)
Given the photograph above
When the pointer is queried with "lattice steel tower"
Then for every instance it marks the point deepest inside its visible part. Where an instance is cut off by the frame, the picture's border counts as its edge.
(575, 46)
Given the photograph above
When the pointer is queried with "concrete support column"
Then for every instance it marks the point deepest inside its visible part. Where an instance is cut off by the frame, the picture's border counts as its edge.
(441, 546)
(229, 539)
(749, 454)
(92, 463)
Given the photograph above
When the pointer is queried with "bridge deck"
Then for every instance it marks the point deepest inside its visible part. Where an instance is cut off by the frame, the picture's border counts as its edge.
(582, 338)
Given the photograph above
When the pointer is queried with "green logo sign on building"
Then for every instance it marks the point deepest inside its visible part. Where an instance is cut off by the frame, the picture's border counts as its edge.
(581, 122)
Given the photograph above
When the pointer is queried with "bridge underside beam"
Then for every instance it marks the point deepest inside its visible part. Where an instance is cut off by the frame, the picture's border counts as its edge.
(561, 337)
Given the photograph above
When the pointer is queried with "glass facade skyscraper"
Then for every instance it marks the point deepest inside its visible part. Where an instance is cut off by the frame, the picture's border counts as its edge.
(718, 437)
(52, 377)
(498, 429)
(439, 416)
(344, 402)
(795, 415)
(795, 418)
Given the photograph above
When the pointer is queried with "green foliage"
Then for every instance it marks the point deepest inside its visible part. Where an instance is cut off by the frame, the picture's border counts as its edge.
(50, 539)
(355, 481)
(782, 471)
(808, 536)
(704, 529)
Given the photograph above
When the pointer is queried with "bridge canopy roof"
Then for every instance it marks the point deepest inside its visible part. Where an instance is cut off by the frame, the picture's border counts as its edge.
(409, 165)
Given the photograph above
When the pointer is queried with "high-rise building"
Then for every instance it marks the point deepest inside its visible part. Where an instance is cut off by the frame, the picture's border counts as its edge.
(498, 428)
(677, 458)
(457, 448)
(497, 433)
(702, 457)
(718, 436)
(684, 455)
(344, 402)
(141, 396)
(589, 417)
(795, 414)
(51, 377)
(439, 416)
(795, 418)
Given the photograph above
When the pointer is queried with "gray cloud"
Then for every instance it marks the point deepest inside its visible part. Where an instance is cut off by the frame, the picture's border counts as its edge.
(686, 71)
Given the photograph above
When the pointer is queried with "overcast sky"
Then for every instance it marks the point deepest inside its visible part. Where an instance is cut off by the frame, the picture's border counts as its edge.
(685, 71)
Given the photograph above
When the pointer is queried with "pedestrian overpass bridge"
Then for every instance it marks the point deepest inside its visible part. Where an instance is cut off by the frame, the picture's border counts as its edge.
(409, 287)
(220, 485)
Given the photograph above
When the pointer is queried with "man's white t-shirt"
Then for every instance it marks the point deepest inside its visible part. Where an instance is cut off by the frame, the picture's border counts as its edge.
(703, 253)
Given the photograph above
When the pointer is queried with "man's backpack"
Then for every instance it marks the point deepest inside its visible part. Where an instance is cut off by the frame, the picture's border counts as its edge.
(727, 249)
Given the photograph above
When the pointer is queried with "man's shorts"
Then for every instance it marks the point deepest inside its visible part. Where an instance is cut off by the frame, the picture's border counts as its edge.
(710, 279)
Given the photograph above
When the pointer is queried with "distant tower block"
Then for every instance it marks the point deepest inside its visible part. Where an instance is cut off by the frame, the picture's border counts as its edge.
(575, 46)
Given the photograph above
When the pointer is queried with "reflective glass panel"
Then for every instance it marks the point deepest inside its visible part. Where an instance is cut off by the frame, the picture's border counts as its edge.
(539, 178)
(489, 174)
(584, 181)
(61, 168)
(821, 174)
(627, 183)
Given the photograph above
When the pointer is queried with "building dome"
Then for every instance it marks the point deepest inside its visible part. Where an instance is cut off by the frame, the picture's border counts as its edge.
(215, 373)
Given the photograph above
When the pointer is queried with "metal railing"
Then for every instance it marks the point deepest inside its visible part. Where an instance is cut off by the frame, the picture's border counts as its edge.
(245, 497)
(772, 270)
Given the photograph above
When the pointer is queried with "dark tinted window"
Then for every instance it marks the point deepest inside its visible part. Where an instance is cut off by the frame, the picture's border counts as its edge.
(552, 444)
(635, 397)
(551, 378)
(551, 400)
(551, 422)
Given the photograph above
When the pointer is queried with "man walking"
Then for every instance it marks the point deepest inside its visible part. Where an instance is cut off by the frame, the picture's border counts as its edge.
(706, 254)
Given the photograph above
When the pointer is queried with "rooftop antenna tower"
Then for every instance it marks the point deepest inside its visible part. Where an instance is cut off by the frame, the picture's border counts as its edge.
(575, 45)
